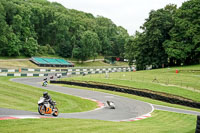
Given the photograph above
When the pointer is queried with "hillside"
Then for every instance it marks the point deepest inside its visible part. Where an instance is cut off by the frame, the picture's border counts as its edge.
(38, 27)
(25, 63)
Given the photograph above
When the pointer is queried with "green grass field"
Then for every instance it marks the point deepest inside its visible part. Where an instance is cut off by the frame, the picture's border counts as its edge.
(99, 63)
(27, 64)
(22, 62)
(160, 122)
(186, 83)
(24, 97)
(148, 100)
(17, 64)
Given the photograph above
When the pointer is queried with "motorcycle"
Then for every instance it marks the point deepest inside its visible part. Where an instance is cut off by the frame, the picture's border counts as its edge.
(45, 107)
(59, 76)
(44, 83)
(111, 104)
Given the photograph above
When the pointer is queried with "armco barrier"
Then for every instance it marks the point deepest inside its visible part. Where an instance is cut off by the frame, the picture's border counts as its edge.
(140, 92)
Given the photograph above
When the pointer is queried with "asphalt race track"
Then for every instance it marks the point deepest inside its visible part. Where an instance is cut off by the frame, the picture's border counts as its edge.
(126, 109)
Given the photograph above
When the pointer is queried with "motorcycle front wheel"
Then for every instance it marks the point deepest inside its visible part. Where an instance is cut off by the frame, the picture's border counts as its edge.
(55, 113)
(41, 109)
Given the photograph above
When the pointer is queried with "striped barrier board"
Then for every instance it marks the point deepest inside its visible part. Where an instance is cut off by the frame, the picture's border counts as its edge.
(67, 72)
(32, 70)
(24, 74)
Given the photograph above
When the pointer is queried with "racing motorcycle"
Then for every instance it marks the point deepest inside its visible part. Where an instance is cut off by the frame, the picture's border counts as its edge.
(44, 107)
(45, 83)
(111, 104)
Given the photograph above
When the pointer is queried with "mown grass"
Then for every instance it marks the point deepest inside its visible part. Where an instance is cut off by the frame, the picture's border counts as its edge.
(17, 64)
(17, 57)
(27, 64)
(148, 100)
(160, 122)
(144, 85)
(10, 62)
(99, 63)
(161, 80)
(24, 97)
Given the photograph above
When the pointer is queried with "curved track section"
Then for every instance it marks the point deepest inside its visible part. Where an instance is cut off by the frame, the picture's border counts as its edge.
(126, 109)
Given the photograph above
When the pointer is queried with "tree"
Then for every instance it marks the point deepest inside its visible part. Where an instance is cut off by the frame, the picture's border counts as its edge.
(119, 42)
(137, 50)
(3, 29)
(30, 47)
(148, 45)
(106, 32)
(92, 40)
(9, 43)
(184, 43)
(89, 46)
(130, 50)
(41, 23)
(156, 29)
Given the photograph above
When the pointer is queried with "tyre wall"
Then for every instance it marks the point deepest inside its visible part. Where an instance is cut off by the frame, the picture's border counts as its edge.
(173, 99)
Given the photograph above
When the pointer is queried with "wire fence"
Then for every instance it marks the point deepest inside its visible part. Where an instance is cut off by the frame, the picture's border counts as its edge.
(186, 83)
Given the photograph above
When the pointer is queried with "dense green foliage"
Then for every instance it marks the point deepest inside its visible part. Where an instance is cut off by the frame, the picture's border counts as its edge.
(170, 37)
(184, 43)
(39, 27)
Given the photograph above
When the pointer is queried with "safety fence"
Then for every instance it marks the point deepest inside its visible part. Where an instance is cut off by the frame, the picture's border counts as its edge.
(63, 70)
(186, 82)
(24, 74)
(68, 72)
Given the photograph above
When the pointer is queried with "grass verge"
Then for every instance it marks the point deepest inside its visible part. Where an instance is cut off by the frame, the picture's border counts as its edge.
(160, 122)
(23, 97)
(185, 84)
(148, 100)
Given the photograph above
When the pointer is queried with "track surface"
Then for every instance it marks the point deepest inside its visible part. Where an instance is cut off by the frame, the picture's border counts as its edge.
(126, 109)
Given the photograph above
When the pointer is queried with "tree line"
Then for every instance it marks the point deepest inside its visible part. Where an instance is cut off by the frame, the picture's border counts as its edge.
(38, 27)
(170, 36)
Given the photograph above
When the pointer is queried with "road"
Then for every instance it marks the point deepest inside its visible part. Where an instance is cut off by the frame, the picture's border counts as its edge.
(126, 109)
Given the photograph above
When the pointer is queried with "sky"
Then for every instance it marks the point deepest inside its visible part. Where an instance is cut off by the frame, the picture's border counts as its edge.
(130, 14)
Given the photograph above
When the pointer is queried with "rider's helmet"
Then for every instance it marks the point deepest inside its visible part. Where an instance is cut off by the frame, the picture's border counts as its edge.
(45, 94)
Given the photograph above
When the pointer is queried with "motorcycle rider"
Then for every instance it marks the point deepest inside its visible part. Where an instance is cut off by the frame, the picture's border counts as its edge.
(48, 98)
(45, 83)
(111, 104)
